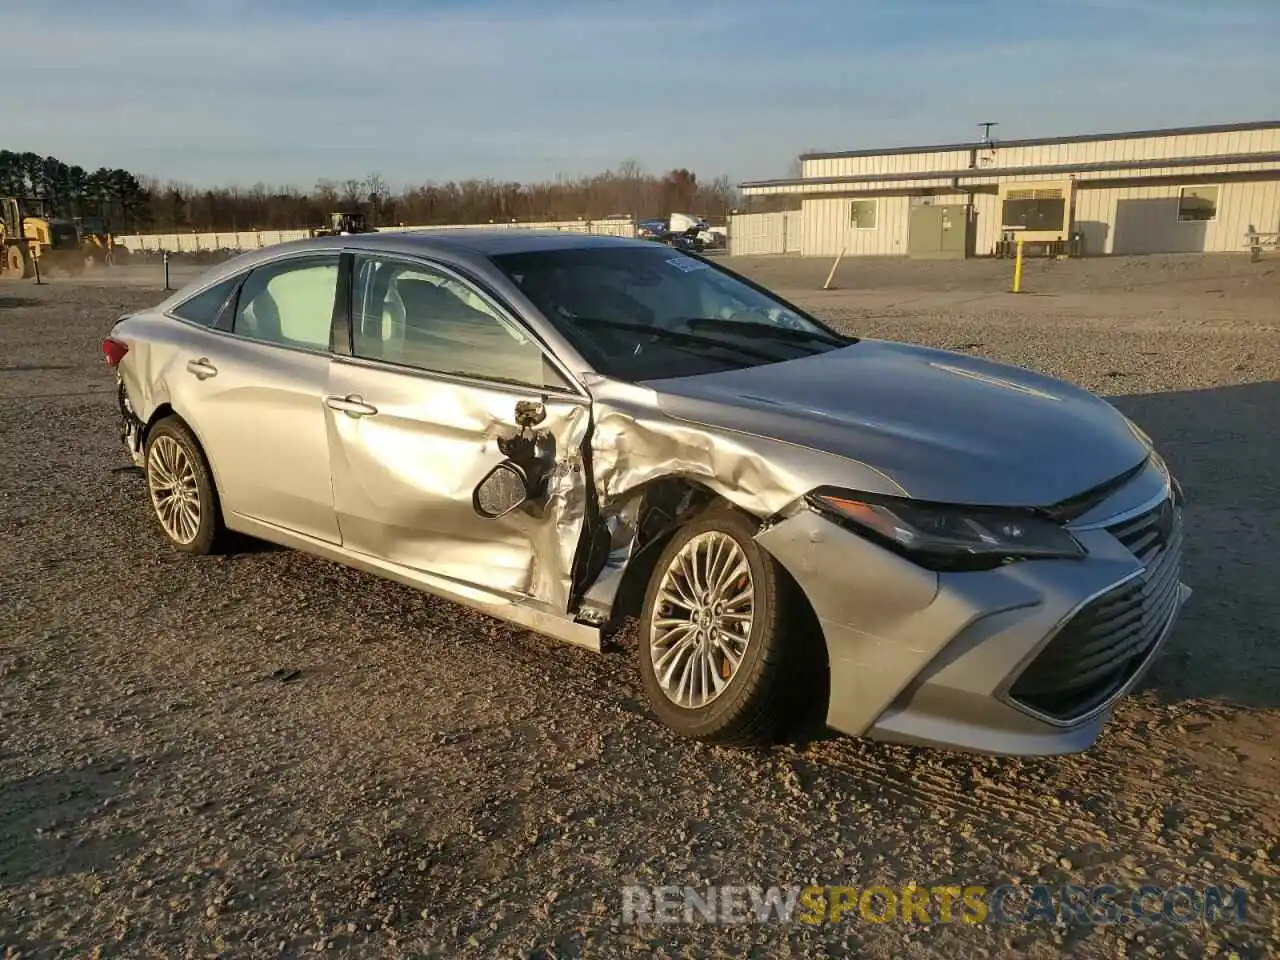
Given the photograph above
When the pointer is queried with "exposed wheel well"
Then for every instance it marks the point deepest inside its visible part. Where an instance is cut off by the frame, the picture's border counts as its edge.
(676, 503)
(160, 412)
(665, 507)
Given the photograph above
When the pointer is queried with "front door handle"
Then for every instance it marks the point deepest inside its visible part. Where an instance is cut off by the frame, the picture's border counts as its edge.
(352, 405)
(202, 369)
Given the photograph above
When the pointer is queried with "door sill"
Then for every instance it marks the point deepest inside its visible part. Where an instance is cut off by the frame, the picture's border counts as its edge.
(513, 610)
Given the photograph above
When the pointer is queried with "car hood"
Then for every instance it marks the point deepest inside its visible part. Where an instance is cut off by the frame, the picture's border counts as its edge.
(944, 426)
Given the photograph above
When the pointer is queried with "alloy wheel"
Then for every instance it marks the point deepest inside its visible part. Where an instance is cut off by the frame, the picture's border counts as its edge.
(175, 492)
(702, 621)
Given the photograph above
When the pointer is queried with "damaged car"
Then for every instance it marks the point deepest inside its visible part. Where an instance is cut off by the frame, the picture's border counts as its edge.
(573, 433)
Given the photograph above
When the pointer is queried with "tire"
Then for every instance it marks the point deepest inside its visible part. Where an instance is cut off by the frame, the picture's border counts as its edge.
(762, 698)
(175, 460)
(17, 263)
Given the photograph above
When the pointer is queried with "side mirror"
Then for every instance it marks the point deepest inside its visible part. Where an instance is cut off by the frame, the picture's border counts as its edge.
(502, 490)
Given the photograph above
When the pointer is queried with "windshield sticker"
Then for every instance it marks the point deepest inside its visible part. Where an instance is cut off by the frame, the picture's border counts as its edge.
(687, 264)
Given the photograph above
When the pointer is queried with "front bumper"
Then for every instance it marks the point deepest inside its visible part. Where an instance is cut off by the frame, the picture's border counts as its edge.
(1026, 659)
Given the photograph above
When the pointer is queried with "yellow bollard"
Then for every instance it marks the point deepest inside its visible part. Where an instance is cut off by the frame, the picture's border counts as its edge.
(1017, 268)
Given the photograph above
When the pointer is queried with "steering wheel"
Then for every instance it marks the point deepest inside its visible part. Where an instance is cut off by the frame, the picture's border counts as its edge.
(751, 315)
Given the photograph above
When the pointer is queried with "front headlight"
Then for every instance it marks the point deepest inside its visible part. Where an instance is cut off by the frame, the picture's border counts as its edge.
(947, 537)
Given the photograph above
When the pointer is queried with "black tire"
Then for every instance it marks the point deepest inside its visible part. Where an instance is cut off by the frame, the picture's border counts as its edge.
(17, 262)
(764, 699)
(210, 532)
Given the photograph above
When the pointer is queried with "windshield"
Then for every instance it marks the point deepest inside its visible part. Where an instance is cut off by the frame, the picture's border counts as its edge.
(647, 312)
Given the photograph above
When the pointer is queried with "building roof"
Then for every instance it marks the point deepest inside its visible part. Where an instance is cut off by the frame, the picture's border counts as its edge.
(1046, 141)
(986, 173)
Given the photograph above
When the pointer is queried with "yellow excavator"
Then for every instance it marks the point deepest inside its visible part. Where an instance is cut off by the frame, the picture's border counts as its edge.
(98, 243)
(29, 233)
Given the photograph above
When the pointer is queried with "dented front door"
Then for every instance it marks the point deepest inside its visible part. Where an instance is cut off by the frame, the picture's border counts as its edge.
(408, 450)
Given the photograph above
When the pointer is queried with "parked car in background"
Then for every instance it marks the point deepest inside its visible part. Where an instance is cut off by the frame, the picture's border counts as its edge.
(567, 431)
(680, 231)
(653, 229)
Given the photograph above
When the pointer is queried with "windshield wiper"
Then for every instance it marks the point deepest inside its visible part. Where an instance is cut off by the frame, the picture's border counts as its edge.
(771, 330)
(692, 339)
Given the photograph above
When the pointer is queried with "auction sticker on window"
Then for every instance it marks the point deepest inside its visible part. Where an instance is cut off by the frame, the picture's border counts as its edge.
(687, 264)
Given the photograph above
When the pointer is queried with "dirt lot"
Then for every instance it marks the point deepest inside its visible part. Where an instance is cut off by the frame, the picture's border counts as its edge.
(264, 754)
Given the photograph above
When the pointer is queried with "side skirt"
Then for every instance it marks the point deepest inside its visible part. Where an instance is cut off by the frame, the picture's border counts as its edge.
(503, 607)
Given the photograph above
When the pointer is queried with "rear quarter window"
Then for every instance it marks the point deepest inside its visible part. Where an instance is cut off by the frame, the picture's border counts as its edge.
(208, 305)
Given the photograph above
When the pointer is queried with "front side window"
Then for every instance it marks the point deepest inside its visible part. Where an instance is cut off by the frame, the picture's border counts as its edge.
(289, 303)
(413, 316)
(206, 307)
(644, 311)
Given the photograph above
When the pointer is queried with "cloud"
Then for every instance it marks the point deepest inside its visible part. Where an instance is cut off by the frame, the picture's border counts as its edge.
(290, 91)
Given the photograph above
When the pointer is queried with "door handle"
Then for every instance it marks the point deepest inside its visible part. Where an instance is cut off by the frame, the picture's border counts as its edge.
(352, 405)
(202, 369)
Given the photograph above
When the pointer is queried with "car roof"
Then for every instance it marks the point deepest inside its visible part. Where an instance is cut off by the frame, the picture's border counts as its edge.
(485, 242)
(459, 246)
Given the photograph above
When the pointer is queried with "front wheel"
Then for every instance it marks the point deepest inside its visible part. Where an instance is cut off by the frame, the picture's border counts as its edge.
(17, 264)
(717, 660)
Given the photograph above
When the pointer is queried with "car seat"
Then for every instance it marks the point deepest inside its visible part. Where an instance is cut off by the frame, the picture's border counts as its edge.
(260, 319)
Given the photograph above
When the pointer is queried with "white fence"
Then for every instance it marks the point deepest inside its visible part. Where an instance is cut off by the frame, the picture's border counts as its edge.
(255, 239)
(756, 233)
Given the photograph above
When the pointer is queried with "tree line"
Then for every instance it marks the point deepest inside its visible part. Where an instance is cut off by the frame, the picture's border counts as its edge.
(134, 203)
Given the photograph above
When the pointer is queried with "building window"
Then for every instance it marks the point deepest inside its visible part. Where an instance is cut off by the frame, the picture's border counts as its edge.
(863, 215)
(1197, 204)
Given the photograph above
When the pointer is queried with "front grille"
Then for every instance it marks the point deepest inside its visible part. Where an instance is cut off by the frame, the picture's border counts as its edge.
(1147, 534)
(1100, 649)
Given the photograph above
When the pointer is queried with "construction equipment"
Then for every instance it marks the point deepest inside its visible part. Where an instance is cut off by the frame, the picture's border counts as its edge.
(28, 233)
(342, 224)
(97, 241)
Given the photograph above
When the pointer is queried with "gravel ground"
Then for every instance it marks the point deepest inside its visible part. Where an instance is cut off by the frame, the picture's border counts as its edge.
(265, 754)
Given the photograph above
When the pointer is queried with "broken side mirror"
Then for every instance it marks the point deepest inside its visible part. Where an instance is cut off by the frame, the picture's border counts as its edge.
(504, 488)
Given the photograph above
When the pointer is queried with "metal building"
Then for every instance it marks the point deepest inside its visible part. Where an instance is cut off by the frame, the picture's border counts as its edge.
(1186, 189)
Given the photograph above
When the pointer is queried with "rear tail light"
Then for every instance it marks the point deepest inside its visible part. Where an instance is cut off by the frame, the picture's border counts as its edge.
(114, 351)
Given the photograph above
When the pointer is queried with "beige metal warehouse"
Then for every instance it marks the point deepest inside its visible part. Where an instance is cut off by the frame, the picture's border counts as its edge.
(1186, 189)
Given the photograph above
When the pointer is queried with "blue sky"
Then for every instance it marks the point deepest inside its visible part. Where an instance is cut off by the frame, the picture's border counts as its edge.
(291, 91)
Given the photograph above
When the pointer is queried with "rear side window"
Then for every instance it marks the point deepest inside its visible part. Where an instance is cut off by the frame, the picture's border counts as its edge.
(290, 303)
(206, 306)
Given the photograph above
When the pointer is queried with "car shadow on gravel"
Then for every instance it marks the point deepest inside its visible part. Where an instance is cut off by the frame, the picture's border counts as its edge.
(232, 544)
(1221, 445)
(60, 822)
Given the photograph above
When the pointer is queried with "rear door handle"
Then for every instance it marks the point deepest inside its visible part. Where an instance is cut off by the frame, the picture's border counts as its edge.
(202, 369)
(352, 405)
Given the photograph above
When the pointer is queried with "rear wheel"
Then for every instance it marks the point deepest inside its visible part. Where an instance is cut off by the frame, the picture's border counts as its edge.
(717, 661)
(180, 486)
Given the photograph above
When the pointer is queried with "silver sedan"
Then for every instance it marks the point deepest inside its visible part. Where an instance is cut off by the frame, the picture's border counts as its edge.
(568, 431)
